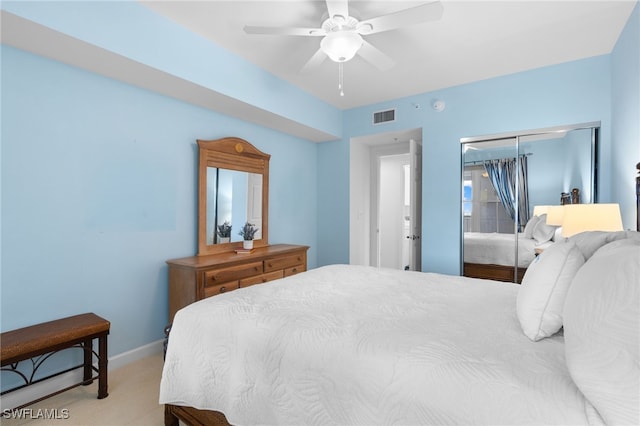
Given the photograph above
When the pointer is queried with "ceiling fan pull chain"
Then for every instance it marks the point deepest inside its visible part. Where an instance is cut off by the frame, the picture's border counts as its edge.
(340, 79)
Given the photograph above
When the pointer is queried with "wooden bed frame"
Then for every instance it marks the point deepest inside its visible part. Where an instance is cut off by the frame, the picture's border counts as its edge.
(194, 417)
(493, 272)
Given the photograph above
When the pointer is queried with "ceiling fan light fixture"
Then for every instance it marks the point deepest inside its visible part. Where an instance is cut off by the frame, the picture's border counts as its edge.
(341, 46)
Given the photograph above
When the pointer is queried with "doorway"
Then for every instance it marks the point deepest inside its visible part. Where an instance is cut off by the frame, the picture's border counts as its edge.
(385, 200)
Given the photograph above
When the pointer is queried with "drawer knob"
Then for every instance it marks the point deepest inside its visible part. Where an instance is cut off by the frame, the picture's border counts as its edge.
(295, 269)
(223, 289)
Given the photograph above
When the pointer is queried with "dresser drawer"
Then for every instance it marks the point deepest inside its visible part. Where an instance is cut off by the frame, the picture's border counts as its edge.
(214, 290)
(294, 270)
(196, 277)
(284, 262)
(233, 273)
(270, 276)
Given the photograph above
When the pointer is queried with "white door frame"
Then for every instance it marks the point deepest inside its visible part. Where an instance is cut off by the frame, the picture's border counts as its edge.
(377, 154)
(362, 209)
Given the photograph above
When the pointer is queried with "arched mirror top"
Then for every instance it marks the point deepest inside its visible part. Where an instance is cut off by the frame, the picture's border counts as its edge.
(233, 182)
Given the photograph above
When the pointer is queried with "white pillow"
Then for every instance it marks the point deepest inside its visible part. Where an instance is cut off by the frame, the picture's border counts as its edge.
(543, 232)
(602, 331)
(590, 241)
(632, 234)
(528, 229)
(541, 296)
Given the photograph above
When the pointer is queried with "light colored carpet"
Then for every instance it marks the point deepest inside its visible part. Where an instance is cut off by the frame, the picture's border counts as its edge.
(132, 400)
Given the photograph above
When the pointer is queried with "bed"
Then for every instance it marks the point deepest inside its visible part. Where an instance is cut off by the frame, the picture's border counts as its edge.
(346, 344)
(496, 248)
(493, 255)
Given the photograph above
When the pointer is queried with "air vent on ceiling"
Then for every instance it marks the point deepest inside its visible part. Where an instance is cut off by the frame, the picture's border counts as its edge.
(384, 116)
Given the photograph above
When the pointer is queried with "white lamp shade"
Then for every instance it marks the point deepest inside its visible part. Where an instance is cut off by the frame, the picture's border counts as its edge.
(540, 210)
(590, 217)
(341, 46)
(555, 215)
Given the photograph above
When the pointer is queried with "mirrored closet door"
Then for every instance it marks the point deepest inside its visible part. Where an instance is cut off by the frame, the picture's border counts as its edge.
(509, 182)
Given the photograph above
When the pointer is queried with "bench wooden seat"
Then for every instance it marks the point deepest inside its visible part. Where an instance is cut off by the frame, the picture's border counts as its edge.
(41, 340)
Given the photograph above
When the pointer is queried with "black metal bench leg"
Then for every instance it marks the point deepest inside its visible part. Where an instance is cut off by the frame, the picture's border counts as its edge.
(87, 348)
(102, 367)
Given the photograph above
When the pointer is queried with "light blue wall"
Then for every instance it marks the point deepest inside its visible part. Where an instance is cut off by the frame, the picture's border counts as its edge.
(99, 184)
(134, 31)
(333, 203)
(574, 92)
(625, 112)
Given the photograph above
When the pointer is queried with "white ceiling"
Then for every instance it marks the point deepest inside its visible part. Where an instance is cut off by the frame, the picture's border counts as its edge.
(474, 40)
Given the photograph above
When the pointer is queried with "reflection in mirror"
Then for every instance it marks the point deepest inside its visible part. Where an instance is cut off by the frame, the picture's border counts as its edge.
(489, 208)
(233, 198)
(483, 210)
(559, 162)
(504, 179)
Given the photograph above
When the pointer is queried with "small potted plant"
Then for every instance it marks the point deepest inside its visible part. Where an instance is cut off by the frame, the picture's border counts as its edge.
(224, 232)
(247, 232)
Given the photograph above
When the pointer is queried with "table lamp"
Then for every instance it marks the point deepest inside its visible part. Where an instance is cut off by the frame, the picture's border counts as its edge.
(578, 218)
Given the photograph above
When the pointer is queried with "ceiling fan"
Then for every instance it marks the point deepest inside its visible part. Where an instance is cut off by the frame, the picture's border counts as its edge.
(342, 34)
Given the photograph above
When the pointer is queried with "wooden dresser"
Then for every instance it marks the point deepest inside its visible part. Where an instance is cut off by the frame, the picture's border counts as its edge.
(194, 278)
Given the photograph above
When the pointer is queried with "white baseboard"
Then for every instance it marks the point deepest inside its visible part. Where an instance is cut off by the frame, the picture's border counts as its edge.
(30, 393)
(136, 354)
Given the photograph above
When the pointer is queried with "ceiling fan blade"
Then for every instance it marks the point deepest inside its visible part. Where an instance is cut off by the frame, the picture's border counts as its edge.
(403, 18)
(375, 57)
(338, 7)
(315, 61)
(313, 32)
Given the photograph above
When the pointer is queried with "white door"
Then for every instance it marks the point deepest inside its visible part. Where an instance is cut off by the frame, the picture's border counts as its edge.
(415, 217)
(254, 202)
(393, 247)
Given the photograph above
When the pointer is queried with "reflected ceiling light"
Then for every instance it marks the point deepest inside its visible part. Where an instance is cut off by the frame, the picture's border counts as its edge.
(341, 46)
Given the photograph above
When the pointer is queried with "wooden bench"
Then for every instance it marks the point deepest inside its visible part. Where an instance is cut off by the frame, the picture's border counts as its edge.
(38, 342)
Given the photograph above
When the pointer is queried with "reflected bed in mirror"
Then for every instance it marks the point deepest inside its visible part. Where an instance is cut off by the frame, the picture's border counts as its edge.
(503, 178)
(233, 190)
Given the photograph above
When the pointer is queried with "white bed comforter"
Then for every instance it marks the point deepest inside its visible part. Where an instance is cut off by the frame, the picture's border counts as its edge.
(499, 249)
(345, 345)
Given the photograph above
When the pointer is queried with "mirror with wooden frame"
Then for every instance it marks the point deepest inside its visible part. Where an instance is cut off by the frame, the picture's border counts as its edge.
(233, 181)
